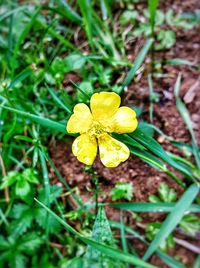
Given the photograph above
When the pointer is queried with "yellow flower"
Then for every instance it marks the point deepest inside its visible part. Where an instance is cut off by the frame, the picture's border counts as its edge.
(95, 127)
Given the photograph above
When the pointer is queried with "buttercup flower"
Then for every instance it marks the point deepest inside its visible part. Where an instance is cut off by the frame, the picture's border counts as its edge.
(95, 127)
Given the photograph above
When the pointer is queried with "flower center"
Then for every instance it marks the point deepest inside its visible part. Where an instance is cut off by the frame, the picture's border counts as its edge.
(96, 129)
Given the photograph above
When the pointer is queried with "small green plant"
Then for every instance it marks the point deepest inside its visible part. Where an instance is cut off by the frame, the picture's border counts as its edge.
(190, 224)
(22, 181)
(165, 194)
(16, 252)
(166, 38)
(151, 231)
(122, 190)
(25, 215)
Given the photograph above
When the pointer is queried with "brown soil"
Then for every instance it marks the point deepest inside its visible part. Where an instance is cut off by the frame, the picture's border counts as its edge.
(144, 178)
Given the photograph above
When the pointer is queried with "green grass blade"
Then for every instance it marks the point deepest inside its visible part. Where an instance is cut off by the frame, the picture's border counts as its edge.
(3, 218)
(11, 12)
(123, 234)
(128, 140)
(58, 127)
(58, 101)
(63, 180)
(58, 36)
(46, 182)
(186, 117)
(151, 93)
(152, 145)
(105, 9)
(173, 219)
(166, 258)
(156, 163)
(113, 253)
(22, 38)
(178, 144)
(179, 62)
(137, 63)
(152, 6)
(197, 262)
(171, 262)
(86, 10)
(68, 12)
(153, 207)
(20, 77)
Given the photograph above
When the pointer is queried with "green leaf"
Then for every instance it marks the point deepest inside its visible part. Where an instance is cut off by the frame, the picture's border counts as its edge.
(152, 6)
(4, 244)
(23, 138)
(154, 162)
(41, 218)
(55, 192)
(178, 61)
(4, 15)
(190, 224)
(39, 120)
(18, 210)
(167, 39)
(137, 63)
(20, 226)
(186, 117)
(30, 175)
(87, 88)
(22, 188)
(154, 199)
(58, 101)
(11, 178)
(173, 219)
(102, 234)
(171, 262)
(166, 194)
(128, 140)
(166, 258)
(128, 16)
(153, 146)
(197, 262)
(152, 230)
(67, 11)
(88, 23)
(74, 62)
(30, 243)
(153, 207)
(76, 262)
(122, 190)
(110, 251)
(18, 261)
(22, 37)
(20, 77)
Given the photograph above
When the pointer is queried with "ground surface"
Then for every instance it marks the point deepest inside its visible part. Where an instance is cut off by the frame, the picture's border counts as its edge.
(144, 178)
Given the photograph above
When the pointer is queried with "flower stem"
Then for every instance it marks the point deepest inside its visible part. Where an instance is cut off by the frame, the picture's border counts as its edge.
(95, 182)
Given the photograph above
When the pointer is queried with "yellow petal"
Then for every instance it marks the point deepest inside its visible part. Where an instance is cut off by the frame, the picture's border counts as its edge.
(85, 148)
(124, 121)
(112, 151)
(81, 119)
(104, 104)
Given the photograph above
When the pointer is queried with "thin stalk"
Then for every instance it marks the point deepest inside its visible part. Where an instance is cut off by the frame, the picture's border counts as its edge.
(96, 190)
(123, 235)
(6, 190)
(95, 182)
(46, 185)
(150, 82)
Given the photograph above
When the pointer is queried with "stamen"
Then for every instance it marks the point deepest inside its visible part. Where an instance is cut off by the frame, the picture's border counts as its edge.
(97, 129)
